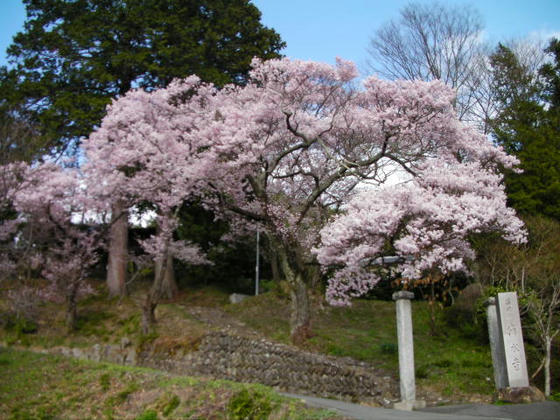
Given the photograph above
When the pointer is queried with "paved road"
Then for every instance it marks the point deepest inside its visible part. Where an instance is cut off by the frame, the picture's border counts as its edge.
(538, 411)
(547, 410)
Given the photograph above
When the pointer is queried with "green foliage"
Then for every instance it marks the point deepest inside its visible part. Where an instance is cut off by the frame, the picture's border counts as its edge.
(130, 325)
(421, 372)
(19, 139)
(366, 331)
(555, 397)
(171, 405)
(148, 415)
(74, 56)
(166, 404)
(388, 348)
(501, 402)
(20, 325)
(249, 405)
(528, 125)
(122, 396)
(146, 339)
(445, 363)
(551, 74)
(92, 323)
(105, 381)
(74, 391)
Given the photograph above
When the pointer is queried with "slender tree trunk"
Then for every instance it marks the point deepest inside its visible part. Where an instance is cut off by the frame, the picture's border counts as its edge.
(169, 287)
(547, 366)
(118, 251)
(432, 304)
(271, 256)
(276, 278)
(71, 308)
(71, 316)
(153, 296)
(148, 314)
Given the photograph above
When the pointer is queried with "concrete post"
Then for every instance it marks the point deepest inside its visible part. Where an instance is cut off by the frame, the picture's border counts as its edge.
(496, 345)
(406, 352)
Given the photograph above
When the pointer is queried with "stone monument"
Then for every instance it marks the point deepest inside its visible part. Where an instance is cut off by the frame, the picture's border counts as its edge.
(508, 351)
(406, 353)
(496, 345)
(511, 336)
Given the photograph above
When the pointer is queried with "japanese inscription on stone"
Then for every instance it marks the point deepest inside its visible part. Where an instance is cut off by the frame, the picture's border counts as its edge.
(512, 336)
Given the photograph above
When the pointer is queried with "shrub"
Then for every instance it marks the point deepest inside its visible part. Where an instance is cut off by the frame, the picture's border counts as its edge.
(23, 313)
(388, 348)
(148, 415)
(249, 405)
(464, 313)
(422, 372)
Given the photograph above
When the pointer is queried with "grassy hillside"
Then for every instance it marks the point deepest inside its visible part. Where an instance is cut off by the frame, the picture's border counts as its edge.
(450, 366)
(455, 366)
(36, 386)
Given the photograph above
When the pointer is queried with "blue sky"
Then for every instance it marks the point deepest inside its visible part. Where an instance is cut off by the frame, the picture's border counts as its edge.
(322, 30)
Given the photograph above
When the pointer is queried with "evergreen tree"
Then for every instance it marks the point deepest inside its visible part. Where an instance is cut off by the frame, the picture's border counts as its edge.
(73, 56)
(551, 74)
(528, 125)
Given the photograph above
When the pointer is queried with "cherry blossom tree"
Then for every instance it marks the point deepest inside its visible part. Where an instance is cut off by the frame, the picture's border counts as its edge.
(11, 174)
(63, 250)
(143, 154)
(301, 139)
(426, 222)
(292, 147)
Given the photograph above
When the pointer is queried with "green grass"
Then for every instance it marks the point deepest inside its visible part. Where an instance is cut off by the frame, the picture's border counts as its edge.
(448, 363)
(38, 386)
(104, 320)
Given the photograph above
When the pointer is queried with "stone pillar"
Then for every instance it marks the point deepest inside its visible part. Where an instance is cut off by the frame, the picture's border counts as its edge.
(496, 345)
(406, 352)
(512, 339)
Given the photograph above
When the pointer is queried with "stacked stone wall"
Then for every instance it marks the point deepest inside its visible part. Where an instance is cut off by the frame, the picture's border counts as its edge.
(222, 355)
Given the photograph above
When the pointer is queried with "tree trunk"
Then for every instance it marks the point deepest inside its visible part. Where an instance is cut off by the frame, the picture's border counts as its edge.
(276, 278)
(118, 251)
(169, 287)
(154, 295)
(300, 320)
(71, 309)
(148, 314)
(314, 276)
(71, 317)
(547, 366)
(294, 271)
(272, 257)
(432, 304)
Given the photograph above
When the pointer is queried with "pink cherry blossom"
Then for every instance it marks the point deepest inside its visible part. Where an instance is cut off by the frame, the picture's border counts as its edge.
(301, 141)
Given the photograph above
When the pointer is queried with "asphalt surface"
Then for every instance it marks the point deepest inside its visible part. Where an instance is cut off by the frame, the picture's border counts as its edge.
(537, 411)
(547, 410)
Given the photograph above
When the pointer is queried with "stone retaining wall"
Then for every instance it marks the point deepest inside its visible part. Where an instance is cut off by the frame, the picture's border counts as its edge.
(225, 356)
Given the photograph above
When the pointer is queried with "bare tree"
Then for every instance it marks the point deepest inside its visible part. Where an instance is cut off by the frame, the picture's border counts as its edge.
(543, 308)
(433, 41)
(532, 270)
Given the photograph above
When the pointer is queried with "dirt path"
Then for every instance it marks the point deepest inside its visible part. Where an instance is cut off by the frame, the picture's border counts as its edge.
(221, 320)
